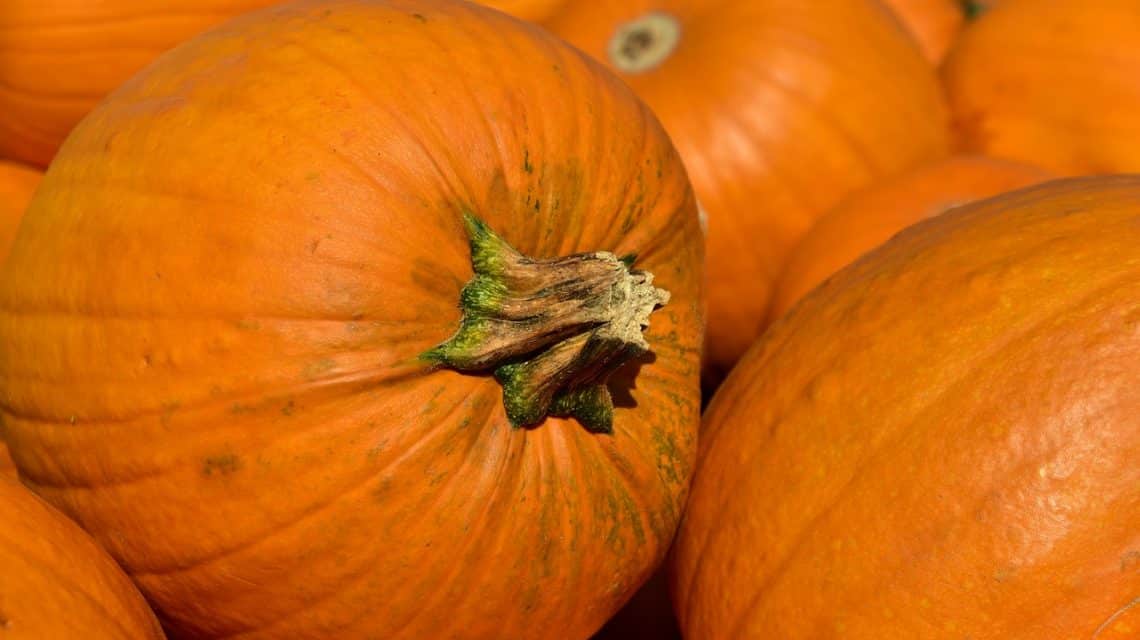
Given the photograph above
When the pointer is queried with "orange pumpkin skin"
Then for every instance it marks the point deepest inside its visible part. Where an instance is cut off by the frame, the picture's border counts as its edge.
(55, 582)
(59, 58)
(17, 184)
(1050, 82)
(870, 217)
(227, 387)
(935, 24)
(533, 10)
(779, 108)
(940, 442)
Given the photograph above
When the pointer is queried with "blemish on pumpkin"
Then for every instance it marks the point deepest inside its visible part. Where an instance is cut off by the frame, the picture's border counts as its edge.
(224, 464)
(238, 408)
(420, 17)
(247, 324)
(527, 166)
(1129, 561)
(168, 409)
(287, 410)
(313, 370)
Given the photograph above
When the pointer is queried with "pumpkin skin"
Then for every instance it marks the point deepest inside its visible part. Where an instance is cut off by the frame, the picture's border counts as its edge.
(963, 470)
(1050, 82)
(17, 184)
(779, 108)
(229, 394)
(58, 58)
(533, 10)
(55, 582)
(933, 23)
(870, 217)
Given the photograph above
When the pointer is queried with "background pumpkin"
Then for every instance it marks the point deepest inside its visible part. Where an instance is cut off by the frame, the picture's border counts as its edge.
(933, 23)
(1049, 82)
(255, 241)
(58, 58)
(17, 184)
(870, 217)
(55, 582)
(779, 109)
(938, 443)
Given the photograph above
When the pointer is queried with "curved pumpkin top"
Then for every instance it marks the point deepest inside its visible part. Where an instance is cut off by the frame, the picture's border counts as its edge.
(55, 582)
(533, 10)
(59, 58)
(940, 442)
(870, 217)
(779, 108)
(1050, 82)
(256, 239)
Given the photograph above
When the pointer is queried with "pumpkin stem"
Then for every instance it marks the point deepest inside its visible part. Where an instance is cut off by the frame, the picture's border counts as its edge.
(644, 43)
(552, 330)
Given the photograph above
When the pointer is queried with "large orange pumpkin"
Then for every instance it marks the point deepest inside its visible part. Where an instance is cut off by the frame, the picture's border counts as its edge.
(17, 184)
(231, 345)
(779, 108)
(933, 23)
(55, 582)
(870, 217)
(1052, 82)
(58, 58)
(940, 442)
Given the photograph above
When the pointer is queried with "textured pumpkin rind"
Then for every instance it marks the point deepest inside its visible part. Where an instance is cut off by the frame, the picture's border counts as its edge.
(253, 241)
(17, 184)
(55, 582)
(59, 59)
(940, 442)
(870, 217)
(532, 10)
(1050, 82)
(779, 108)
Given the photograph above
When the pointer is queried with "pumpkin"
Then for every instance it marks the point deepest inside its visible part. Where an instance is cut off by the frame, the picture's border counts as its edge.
(779, 108)
(933, 23)
(870, 217)
(1050, 82)
(940, 442)
(55, 582)
(349, 339)
(17, 184)
(533, 10)
(59, 58)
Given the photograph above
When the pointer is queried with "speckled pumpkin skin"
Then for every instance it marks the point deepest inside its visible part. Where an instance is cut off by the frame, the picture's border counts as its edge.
(940, 442)
(251, 244)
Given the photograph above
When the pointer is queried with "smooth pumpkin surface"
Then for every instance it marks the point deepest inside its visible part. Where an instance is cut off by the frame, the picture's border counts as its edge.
(1050, 82)
(870, 217)
(933, 23)
(533, 10)
(17, 184)
(56, 582)
(257, 239)
(779, 108)
(59, 58)
(940, 442)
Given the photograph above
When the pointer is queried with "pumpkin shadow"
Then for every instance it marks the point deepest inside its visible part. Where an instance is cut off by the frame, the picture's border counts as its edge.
(624, 380)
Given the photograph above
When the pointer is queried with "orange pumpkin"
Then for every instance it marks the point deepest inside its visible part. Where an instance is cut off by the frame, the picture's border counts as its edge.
(55, 582)
(246, 386)
(870, 217)
(940, 442)
(17, 184)
(533, 10)
(58, 58)
(933, 23)
(1051, 82)
(779, 109)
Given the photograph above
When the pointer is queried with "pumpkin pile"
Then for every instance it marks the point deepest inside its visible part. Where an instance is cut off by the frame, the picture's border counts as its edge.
(567, 319)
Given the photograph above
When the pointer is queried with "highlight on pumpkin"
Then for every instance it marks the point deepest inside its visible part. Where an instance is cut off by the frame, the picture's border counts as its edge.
(551, 330)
